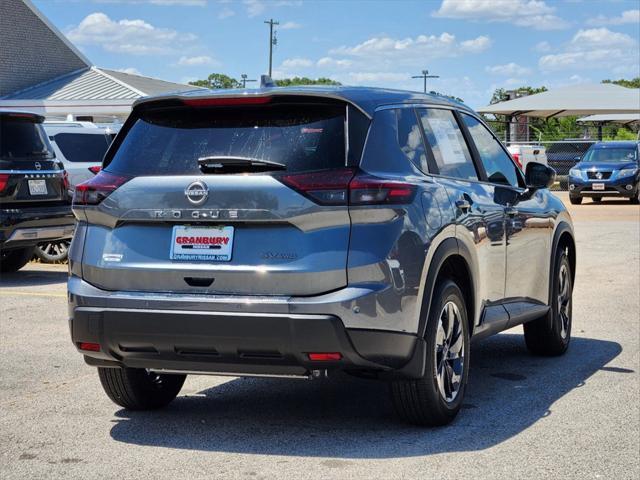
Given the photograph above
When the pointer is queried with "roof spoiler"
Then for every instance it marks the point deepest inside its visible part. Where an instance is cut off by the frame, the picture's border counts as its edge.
(266, 81)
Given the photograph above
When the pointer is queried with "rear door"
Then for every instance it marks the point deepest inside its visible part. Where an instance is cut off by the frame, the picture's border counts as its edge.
(480, 221)
(197, 212)
(30, 175)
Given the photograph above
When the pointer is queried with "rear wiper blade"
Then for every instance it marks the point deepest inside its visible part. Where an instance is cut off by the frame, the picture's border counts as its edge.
(214, 163)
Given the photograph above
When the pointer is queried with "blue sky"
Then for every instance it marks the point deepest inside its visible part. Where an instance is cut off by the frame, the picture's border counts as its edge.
(474, 45)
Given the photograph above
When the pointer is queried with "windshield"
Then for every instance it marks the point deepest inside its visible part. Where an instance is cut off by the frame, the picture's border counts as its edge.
(83, 147)
(170, 142)
(21, 138)
(622, 155)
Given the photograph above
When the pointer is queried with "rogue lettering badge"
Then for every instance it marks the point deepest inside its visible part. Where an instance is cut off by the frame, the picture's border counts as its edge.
(197, 192)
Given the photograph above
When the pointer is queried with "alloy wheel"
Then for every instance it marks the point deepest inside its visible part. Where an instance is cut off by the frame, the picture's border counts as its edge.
(449, 352)
(564, 300)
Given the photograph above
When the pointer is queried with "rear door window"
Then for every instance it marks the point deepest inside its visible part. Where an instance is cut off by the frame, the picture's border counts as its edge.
(447, 143)
(170, 142)
(82, 147)
(496, 162)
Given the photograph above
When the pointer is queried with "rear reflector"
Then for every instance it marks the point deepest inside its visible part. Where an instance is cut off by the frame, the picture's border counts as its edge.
(325, 357)
(4, 178)
(225, 101)
(89, 347)
(95, 169)
(94, 191)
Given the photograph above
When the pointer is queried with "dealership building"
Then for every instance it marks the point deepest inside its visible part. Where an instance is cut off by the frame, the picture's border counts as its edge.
(42, 71)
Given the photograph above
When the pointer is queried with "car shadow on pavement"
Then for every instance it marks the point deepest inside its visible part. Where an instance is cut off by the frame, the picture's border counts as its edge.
(32, 278)
(346, 417)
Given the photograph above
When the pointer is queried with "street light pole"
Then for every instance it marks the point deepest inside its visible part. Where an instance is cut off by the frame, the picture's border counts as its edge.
(424, 76)
(272, 42)
(245, 80)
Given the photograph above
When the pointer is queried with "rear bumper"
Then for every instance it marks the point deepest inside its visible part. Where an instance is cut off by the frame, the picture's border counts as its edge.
(228, 339)
(30, 226)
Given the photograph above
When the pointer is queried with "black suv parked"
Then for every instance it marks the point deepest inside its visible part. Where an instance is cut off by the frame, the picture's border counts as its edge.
(34, 198)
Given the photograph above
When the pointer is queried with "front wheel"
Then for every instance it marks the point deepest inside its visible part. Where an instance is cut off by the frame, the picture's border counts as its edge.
(436, 398)
(575, 200)
(636, 198)
(550, 335)
(138, 388)
(596, 199)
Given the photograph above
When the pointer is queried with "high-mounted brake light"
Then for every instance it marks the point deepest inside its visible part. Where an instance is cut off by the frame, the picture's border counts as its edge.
(225, 101)
(325, 357)
(94, 191)
(95, 169)
(4, 179)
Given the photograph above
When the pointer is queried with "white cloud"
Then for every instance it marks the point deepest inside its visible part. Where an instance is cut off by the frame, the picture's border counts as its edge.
(628, 16)
(377, 52)
(377, 77)
(290, 63)
(129, 70)
(226, 12)
(182, 3)
(542, 47)
(329, 62)
(595, 48)
(526, 13)
(196, 61)
(254, 7)
(289, 26)
(135, 37)
(508, 69)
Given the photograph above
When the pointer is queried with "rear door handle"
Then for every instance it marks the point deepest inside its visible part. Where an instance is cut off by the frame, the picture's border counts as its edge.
(463, 204)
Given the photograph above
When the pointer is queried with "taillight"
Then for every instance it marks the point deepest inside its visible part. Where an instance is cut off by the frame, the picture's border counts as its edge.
(4, 179)
(65, 180)
(95, 169)
(328, 187)
(369, 190)
(94, 191)
(342, 187)
(516, 158)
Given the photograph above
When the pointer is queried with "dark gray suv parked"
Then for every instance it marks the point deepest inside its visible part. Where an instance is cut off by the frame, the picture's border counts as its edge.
(296, 231)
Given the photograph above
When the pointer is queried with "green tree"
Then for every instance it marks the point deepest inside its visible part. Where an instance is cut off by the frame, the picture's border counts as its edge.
(633, 83)
(217, 80)
(289, 82)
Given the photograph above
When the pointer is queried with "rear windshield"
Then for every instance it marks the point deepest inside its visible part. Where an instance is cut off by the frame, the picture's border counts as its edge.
(79, 147)
(21, 138)
(169, 142)
(611, 155)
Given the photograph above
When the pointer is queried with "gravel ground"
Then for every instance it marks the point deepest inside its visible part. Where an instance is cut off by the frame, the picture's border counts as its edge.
(525, 417)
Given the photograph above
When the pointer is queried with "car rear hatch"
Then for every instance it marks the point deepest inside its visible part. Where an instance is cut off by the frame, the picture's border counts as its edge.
(30, 175)
(244, 196)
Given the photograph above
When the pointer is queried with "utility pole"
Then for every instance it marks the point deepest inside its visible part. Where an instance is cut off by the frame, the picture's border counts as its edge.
(424, 76)
(245, 80)
(272, 41)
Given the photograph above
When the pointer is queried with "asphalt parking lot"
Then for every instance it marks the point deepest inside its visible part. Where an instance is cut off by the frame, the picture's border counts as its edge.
(577, 416)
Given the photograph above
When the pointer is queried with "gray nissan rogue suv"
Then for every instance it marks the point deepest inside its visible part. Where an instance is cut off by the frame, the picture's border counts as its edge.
(292, 232)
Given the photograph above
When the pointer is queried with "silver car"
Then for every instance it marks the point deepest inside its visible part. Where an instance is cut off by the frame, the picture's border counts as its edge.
(293, 232)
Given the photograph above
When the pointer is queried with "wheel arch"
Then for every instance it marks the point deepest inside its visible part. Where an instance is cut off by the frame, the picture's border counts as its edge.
(562, 239)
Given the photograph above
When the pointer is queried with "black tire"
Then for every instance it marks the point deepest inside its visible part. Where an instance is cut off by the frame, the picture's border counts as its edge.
(13, 260)
(596, 199)
(550, 335)
(138, 389)
(421, 401)
(575, 200)
(636, 198)
(53, 252)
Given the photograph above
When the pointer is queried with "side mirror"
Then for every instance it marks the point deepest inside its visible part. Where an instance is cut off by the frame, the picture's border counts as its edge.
(539, 176)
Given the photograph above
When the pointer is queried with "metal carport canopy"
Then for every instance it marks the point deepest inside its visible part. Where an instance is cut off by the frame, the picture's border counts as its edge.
(583, 99)
(623, 118)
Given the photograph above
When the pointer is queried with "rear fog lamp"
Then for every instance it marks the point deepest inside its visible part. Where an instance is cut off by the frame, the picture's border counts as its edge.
(325, 357)
(89, 347)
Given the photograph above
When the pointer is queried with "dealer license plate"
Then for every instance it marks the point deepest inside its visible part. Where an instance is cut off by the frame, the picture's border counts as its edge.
(202, 243)
(597, 186)
(37, 187)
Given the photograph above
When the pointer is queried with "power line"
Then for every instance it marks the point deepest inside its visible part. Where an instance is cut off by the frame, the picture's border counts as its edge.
(272, 41)
(245, 80)
(424, 76)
